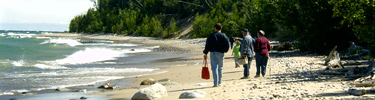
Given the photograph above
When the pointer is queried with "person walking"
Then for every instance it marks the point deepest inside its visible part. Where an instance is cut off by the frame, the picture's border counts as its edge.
(217, 44)
(262, 46)
(247, 50)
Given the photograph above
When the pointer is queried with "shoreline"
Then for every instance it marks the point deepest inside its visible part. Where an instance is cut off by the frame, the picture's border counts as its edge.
(290, 75)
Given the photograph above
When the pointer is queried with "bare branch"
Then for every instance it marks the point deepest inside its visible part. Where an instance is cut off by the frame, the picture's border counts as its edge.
(191, 3)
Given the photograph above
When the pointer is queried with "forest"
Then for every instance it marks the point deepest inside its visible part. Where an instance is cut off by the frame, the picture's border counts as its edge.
(314, 25)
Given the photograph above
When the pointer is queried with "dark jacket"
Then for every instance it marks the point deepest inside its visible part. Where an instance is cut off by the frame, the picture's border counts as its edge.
(217, 42)
(247, 46)
(262, 46)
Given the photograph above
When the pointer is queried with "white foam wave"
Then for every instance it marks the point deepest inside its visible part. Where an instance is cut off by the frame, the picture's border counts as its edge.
(42, 37)
(15, 35)
(7, 93)
(153, 47)
(43, 66)
(70, 42)
(91, 55)
(18, 63)
(3, 34)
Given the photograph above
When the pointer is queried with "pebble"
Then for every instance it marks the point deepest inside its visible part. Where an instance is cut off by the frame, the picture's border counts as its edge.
(83, 98)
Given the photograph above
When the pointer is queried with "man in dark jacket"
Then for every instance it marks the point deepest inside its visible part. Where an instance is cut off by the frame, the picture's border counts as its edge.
(217, 44)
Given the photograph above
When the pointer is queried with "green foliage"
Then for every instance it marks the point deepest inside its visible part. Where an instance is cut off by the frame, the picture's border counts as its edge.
(313, 24)
(359, 15)
(127, 17)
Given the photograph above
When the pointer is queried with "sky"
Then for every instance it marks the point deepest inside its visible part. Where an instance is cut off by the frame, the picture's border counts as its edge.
(40, 15)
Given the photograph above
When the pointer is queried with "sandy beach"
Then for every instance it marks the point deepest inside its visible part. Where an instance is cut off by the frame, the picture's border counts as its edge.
(290, 74)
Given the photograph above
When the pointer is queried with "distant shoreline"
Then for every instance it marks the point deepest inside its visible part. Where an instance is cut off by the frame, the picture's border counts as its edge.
(186, 45)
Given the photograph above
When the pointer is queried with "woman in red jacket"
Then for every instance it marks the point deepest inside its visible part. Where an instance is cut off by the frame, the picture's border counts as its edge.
(261, 48)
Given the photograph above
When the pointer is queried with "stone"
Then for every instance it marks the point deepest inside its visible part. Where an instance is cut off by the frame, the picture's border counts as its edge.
(149, 81)
(83, 98)
(170, 83)
(192, 95)
(356, 92)
(152, 92)
(276, 95)
(109, 86)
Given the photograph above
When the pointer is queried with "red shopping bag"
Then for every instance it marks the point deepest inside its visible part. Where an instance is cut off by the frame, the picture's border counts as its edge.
(205, 71)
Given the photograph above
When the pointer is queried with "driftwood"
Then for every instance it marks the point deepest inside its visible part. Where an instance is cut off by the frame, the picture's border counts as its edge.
(369, 80)
(332, 73)
(357, 92)
(333, 60)
(353, 54)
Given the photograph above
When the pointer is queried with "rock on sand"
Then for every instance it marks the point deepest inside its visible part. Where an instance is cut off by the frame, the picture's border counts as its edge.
(149, 81)
(151, 93)
(192, 95)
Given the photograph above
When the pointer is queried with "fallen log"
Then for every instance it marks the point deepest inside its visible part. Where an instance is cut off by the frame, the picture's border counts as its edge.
(330, 55)
(332, 73)
(364, 84)
(333, 60)
(357, 92)
(368, 81)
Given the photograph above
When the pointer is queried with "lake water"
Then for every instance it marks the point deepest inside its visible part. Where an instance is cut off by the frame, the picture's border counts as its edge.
(32, 63)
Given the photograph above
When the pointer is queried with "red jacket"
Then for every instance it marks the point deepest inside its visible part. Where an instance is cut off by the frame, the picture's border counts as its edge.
(262, 46)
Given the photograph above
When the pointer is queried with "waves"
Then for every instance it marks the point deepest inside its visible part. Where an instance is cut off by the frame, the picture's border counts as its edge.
(29, 62)
(91, 55)
(70, 42)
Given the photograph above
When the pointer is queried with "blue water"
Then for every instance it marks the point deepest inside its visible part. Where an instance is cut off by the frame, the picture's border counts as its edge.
(29, 62)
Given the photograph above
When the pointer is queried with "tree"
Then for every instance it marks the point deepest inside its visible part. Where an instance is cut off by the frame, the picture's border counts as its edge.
(358, 15)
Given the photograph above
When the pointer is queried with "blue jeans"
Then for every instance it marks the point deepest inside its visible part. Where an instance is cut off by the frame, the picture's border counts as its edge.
(247, 67)
(261, 63)
(217, 59)
(236, 62)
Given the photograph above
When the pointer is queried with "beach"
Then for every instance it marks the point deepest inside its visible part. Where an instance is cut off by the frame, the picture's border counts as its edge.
(284, 82)
(290, 74)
